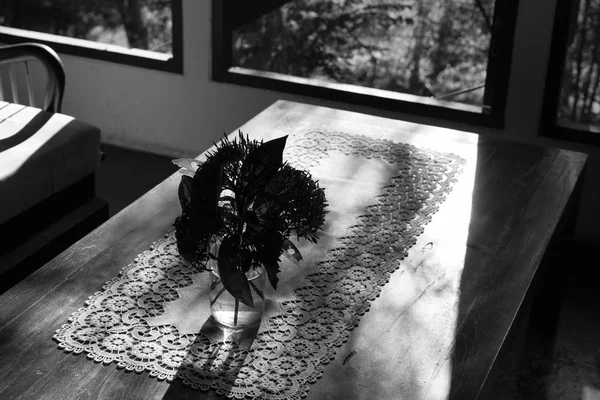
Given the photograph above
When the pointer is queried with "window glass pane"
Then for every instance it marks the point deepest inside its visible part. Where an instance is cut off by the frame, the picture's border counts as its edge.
(429, 48)
(579, 102)
(139, 24)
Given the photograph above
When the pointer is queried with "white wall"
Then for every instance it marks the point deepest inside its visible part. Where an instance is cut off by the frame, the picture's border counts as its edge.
(182, 115)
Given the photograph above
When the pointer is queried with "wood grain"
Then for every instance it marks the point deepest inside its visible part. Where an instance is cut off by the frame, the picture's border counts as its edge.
(402, 348)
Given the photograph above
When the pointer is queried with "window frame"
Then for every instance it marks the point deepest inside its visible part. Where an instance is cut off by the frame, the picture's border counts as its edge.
(549, 126)
(226, 15)
(115, 54)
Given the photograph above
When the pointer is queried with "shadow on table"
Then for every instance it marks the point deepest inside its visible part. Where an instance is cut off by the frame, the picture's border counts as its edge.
(489, 275)
(500, 262)
(216, 350)
(324, 295)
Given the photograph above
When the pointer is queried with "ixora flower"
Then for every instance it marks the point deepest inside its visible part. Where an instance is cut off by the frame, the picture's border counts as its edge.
(239, 208)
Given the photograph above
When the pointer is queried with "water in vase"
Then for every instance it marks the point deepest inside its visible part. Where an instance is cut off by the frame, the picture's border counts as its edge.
(223, 305)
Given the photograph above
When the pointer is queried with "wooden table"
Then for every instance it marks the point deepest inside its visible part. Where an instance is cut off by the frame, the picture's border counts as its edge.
(492, 233)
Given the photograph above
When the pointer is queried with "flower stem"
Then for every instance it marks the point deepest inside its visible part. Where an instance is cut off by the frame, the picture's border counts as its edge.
(217, 296)
(235, 314)
(262, 296)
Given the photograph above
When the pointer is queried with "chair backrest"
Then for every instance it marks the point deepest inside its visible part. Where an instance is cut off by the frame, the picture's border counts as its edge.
(12, 55)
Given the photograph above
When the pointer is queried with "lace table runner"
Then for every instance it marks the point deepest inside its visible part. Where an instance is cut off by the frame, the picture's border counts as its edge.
(153, 315)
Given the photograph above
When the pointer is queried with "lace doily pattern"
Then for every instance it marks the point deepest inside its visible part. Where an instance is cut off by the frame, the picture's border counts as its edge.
(295, 346)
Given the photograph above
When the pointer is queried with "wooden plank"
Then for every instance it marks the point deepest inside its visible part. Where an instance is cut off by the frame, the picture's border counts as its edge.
(484, 256)
(481, 337)
(18, 120)
(13, 83)
(9, 110)
(28, 84)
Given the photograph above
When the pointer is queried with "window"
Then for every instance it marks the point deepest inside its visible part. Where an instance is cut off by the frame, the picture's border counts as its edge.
(572, 99)
(434, 58)
(145, 33)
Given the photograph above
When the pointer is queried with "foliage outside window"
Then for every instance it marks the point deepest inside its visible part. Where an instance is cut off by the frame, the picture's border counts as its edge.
(146, 25)
(424, 52)
(425, 48)
(579, 100)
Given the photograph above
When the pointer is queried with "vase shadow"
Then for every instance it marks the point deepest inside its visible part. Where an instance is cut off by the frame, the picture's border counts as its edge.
(229, 350)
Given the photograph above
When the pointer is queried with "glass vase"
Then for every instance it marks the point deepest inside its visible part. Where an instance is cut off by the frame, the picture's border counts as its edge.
(232, 313)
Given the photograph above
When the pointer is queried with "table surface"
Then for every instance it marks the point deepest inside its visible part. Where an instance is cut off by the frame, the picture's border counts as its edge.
(492, 231)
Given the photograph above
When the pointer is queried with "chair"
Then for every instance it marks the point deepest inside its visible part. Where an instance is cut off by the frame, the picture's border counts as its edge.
(48, 163)
(23, 54)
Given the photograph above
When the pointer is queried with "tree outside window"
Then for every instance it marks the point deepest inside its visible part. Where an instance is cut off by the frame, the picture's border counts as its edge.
(136, 24)
(579, 100)
(431, 48)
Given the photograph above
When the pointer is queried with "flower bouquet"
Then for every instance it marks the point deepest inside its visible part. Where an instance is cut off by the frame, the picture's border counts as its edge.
(239, 208)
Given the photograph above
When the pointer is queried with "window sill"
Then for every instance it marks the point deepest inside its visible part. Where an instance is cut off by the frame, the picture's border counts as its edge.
(592, 129)
(363, 96)
(575, 132)
(94, 50)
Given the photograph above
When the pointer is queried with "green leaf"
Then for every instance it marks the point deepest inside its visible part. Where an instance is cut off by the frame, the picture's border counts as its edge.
(191, 246)
(199, 200)
(208, 180)
(185, 192)
(258, 169)
(234, 280)
(251, 218)
(268, 251)
(206, 190)
(272, 269)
